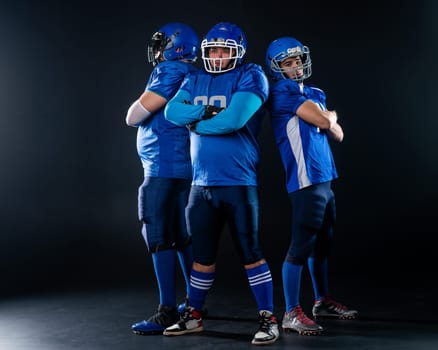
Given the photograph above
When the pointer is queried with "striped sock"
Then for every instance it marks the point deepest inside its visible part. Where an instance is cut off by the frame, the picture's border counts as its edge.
(260, 281)
(200, 284)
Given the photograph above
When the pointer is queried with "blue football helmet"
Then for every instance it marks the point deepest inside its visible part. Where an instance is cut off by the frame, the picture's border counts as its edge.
(227, 35)
(173, 41)
(283, 48)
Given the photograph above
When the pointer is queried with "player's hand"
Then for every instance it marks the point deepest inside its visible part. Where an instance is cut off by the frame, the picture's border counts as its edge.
(333, 118)
(211, 111)
(192, 127)
(336, 133)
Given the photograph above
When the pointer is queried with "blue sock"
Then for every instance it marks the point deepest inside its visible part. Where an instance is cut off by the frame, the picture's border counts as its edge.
(164, 266)
(185, 257)
(260, 281)
(291, 284)
(319, 273)
(200, 284)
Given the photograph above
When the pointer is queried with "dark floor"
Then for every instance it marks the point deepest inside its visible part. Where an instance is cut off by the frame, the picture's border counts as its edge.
(100, 319)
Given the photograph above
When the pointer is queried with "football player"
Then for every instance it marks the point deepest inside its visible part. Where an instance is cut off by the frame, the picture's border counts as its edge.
(164, 151)
(221, 104)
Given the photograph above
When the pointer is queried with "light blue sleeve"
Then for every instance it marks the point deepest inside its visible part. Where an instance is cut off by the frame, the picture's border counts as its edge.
(242, 107)
(180, 113)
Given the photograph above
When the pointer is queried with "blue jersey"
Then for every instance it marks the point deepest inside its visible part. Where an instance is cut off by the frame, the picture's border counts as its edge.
(229, 159)
(163, 147)
(304, 148)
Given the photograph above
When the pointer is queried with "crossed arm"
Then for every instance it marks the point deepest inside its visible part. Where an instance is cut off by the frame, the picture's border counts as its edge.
(323, 119)
(147, 104)
(240, 109)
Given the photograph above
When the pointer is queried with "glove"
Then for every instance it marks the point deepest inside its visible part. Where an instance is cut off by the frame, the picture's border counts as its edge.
(192, 127)
(211, 111)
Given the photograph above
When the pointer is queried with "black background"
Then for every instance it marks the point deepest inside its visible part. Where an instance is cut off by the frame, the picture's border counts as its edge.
(70, 172)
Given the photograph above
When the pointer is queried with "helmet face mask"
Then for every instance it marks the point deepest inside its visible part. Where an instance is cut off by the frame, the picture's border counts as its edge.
(278, 54)
(216, 64)
(156, 47)
(174, 41)
(292, 67)
(226, 36)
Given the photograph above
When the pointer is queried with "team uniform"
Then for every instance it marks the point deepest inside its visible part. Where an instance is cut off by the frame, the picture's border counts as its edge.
(309, 171)
(164, 151)
(225, 156)
(162, 146)
(309, 168)
(304, 148)
(224, 166)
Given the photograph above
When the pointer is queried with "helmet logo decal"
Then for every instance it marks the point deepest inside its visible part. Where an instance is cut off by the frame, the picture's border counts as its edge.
(294, 51)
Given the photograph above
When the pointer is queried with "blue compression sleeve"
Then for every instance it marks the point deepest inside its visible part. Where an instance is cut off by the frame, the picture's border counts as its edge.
(180, 113)
(242, 107)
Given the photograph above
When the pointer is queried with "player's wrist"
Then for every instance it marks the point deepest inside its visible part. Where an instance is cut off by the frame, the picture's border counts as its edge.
(210, 111)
